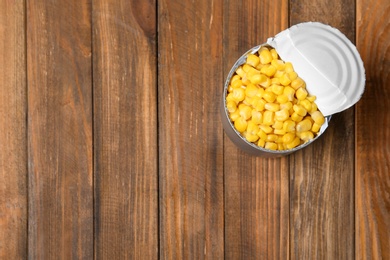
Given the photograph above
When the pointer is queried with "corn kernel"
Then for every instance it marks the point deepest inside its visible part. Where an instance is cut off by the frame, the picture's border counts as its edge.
(292, 76)
(266, 83)
(311, 98)
(304, 125)
(297, 83)
(271, 146)
(294, 143)
(265, 56)
(318, 117)
(261, 143)
(306, 104)
(306, 135)
(289, 126)
(277, 125)
(251, 137)
(314, 108)
(245, 111)
(277, 89)
(288, 105)
(238, 94)
(268, 70)
(274, 54)
(278, 64)
(262, 135)
(272, 138)
(258, 103)
(240, 72)
(281, 146)
(282, 99)
(247, 67)
(231, 106)
(257, 117)
(235, 115)
(315, 128)
(275, 81)
(251, 90)
(269, 97)
(268, 118)
(237, 83)
(245, 80)
(289, 67)
(252, 128)
(300, 110)
(279, 74)
(272, 107)
(289, 92)
(253, 60)
(282, 115)
(266, 128)
(285, 80)
(279, 132)
(234, 78)
(295, 117)
(240, 124)
(288, 138)
(301, 94)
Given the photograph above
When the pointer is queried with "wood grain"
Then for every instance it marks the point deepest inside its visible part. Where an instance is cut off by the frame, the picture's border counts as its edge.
(190, 132)
(125, 129)
(59, 129)
(256, 189)
(322, 175)
(13, 131)
(373, 133)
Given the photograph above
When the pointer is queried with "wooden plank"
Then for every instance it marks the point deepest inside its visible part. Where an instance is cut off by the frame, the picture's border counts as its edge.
(13, 132)
(322, 175)
(373, 133)
(190, 131)
(256, 189)
(59, 129)
(125, 129)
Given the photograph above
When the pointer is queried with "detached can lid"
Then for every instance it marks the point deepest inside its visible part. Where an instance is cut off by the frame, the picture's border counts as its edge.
(326, 60)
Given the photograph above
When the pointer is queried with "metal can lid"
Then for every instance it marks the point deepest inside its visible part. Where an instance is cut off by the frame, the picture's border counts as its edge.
(326, 60)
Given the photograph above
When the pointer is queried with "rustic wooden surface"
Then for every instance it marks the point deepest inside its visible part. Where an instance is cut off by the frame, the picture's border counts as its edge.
(111, 144)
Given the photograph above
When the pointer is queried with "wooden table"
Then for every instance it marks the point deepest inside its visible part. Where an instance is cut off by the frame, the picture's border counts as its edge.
(112, 147)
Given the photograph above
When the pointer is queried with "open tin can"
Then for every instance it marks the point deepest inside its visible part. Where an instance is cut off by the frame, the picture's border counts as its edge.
(325, 59)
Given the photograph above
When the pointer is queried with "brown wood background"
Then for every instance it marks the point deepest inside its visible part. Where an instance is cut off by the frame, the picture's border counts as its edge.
(111, 144)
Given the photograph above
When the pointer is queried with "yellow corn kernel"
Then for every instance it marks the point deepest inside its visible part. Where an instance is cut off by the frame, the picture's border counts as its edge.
(230, 88)
(277, 125)
(260, 92)
(289, 92)
(240, 124)
(268, 117)
(240, 71)
(252, 60)
(288, 138)
(238, 94)
(268, 70)
(235, 115)
(265, 56)
(301, 94)
(274, 54)
(306, 135)
(252, 128)
(294, 143)
(300, 110)
(258, 103)
(234, 78)
(245, 80)
(266, 83)
(260, 66)
(248, 101)
(282, 115)
(304, 125)
(262, 135)
(247, 67)
(318, 117)
(277, 89)
(271, 146)
(251, 137)
(266, 128)
(272, 107)
(289, 67)
(245, 111)
(279, 132)
(278, 64)
(257, 117)
(281, 99)
(275, 81)
(306, 104)
(281, 146)
(311, 98)
(272, 138)
(285, 80)
(251, 90)
(231, 106)
(314, 108)
(295, 117)
(237, 83)
(258, 78)
(292, 75)
(261, 143)
(279, 74)
(315, 128)
(269, 97)
(288, 105)
(230, 97)
(289, 126)
(297, 83)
